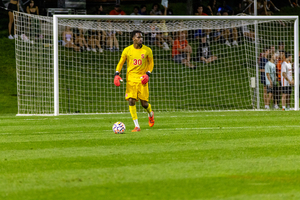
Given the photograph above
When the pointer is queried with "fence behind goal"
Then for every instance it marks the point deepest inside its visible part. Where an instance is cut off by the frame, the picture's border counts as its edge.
(75, 73)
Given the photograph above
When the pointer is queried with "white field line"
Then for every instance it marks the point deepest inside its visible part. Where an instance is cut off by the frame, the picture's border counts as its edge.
(220, 128)
(129, 117)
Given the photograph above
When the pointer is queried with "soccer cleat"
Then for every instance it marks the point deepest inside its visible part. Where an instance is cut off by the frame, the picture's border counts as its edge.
(136, 129)
(151, 120)
(234, 43)
(10, 37)
(227, 43)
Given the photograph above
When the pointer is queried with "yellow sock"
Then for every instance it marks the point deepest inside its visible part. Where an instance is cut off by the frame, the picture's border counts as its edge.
(149, 110)
(132, 110)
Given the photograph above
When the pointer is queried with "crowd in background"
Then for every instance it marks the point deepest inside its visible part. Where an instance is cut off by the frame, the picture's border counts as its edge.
(275, 64)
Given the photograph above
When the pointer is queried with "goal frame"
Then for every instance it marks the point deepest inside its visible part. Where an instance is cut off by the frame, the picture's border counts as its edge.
(118, 17)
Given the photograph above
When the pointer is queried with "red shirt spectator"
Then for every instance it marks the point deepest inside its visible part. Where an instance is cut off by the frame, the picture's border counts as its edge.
(117, 11)
(200, 11)
(178, 45)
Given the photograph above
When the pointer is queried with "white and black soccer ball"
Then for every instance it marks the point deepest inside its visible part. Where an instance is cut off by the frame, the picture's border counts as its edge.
(118, 128)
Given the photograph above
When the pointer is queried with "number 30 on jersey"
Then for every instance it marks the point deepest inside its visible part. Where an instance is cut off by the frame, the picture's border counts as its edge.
(137, 61)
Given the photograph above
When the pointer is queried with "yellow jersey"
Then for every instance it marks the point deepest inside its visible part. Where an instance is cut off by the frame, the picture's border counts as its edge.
(139, 61)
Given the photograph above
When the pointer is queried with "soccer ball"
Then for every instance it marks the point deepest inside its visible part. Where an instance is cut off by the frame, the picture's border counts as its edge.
(118, 128)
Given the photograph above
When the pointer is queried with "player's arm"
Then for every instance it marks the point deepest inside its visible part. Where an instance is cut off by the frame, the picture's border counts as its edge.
(145, 78)
(117, 78)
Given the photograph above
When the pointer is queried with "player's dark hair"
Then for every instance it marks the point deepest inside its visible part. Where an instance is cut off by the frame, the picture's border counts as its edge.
(142, 6)
(136, 7)
(287, 54)
(135, 32)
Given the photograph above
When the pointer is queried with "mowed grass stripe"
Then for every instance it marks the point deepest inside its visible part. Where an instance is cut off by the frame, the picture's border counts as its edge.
(145, 173)
(101, 134)
(136, 148)
(116, 160)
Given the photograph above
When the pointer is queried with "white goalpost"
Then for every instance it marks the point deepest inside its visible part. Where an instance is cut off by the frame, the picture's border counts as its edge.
(66, 63)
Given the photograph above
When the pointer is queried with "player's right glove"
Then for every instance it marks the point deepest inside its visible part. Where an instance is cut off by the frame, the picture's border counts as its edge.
(117, 79)
(145, 78)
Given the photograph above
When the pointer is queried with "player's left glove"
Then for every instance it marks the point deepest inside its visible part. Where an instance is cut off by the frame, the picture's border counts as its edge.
(145, 78)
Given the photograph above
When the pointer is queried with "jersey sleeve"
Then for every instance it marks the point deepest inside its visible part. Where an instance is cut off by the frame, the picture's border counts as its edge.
(150, 61)
(122, 60)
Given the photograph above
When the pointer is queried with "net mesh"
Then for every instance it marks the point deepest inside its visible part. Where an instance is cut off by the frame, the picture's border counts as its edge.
(222, 53)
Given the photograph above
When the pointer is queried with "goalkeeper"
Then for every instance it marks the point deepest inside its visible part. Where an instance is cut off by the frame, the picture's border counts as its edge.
(139, 67)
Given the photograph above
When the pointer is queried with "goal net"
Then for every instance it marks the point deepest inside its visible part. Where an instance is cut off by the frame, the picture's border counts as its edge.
(66, 64)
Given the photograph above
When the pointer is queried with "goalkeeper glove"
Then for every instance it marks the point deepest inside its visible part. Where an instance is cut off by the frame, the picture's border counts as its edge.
(117, 79)
(145, 78)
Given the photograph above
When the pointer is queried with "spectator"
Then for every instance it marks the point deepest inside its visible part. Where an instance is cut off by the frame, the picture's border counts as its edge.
(34, 23)
(169, 11)
(117, 11)
(225, 8)
(155, 10)
(181, 50)
(262, 62)
(204, 53)
(112, 40)
(94, 40)
(248, 34)
(264, 6)
(163, 27)
(286, 80)
(156, 36)
(294, 4)
(200, 11)
(270, 5)
(143, 10)
(80, 39)
(212, 8)
(32, 9)
(281, 48)
(100, 11)
(270, 73)
(136, 12)
(230, 32)
(12, 6)
(68, 39)
(201, 33)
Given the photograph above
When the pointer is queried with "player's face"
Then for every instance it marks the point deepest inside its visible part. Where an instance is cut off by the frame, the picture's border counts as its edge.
(138, 38)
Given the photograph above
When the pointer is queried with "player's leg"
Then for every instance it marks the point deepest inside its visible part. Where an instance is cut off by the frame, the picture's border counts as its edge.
(269, 97)
(85, 43)
(235, 36)
(148, 108)
(283, 100)
(10, 23)
(116, 42)
(288, 97)
(265, 95)
(132, 109)
(143, 94)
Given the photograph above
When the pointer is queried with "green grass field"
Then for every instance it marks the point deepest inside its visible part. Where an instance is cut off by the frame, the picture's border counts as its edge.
(186, 155)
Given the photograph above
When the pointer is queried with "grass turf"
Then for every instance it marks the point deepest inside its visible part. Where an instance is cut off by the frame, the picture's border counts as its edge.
(186, 155)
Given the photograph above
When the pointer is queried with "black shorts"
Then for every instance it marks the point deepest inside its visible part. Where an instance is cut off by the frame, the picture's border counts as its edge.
(270, 89)
(287, 89)
(12, 7)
